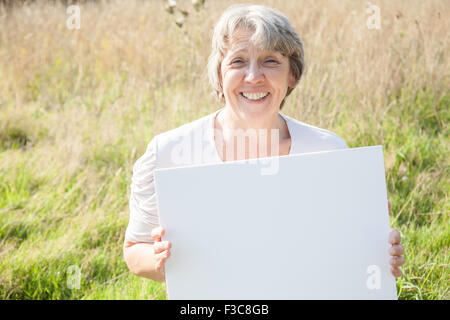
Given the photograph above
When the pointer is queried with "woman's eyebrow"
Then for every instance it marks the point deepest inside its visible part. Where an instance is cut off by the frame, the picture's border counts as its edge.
(265, 53)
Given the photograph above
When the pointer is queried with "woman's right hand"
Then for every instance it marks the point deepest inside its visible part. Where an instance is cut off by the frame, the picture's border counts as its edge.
(161, 248)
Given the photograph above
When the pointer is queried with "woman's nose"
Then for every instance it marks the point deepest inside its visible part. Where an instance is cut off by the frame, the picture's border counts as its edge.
(254, 73)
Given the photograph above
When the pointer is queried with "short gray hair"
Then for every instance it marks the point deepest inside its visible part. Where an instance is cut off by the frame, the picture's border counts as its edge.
(272, 32)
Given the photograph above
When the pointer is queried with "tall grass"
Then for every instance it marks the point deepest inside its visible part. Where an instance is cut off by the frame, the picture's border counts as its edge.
(78, 107)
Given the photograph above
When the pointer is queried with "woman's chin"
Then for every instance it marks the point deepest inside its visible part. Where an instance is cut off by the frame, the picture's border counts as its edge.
(254, 106)
(256, 112)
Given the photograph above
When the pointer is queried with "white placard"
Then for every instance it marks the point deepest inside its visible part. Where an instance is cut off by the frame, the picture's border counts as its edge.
(316, 229)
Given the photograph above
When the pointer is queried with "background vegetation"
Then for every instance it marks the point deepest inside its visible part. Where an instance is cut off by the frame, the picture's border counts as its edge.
(78, 107)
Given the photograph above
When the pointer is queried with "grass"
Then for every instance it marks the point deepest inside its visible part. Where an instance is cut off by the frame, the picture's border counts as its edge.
(78, 107)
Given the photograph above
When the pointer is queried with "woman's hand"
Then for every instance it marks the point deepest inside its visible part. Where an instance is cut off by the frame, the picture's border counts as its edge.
(396, 251)
(161, 248)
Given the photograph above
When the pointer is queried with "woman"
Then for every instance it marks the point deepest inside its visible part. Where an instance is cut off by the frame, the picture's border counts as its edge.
(256, 62)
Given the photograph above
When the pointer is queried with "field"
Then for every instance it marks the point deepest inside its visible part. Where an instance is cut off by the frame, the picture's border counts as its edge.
(79, 106)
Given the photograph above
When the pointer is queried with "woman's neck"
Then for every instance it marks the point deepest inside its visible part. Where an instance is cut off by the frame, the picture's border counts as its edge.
(229, 120)
(269, 133)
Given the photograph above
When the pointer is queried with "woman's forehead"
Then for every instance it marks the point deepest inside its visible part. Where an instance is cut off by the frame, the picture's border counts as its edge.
(240, 38)
(247, 47)
(241, 42)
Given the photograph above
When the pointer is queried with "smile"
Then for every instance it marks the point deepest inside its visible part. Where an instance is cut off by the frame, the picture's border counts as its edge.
(257, 97)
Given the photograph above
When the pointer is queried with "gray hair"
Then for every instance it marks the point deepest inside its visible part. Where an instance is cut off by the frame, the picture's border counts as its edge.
(272, 32)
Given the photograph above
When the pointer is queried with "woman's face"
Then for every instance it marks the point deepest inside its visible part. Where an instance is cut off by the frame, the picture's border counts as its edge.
(254, 81)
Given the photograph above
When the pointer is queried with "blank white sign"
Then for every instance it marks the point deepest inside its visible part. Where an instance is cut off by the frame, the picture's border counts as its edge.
(316, 229)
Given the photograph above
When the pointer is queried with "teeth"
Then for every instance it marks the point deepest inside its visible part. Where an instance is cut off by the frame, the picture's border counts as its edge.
(254, 96)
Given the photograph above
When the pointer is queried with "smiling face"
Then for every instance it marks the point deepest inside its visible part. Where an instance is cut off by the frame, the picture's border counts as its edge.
(254, 81)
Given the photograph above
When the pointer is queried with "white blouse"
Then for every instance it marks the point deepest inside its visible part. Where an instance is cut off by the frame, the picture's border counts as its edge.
(192, 144)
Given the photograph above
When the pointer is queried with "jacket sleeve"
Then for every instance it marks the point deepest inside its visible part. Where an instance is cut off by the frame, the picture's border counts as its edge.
(143, 200)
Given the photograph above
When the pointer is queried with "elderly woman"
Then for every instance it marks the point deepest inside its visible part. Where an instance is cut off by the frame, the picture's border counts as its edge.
(257, 60)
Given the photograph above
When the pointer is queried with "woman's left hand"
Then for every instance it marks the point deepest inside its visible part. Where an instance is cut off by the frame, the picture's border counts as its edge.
(396, 251)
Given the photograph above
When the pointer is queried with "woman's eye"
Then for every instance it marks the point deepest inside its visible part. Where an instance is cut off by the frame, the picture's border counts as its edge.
(237, 61)
(271, 61)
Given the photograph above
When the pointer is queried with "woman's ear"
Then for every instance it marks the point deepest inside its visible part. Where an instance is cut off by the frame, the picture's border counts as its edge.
(291, 81)
(219, 74)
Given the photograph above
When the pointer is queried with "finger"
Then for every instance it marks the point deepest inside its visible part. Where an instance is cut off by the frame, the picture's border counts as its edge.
(394, 237)
(396, 272)
(397, 261)
(161, 258)
(159, 247)
(157, 233)
(159, 265)
(396, 250)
